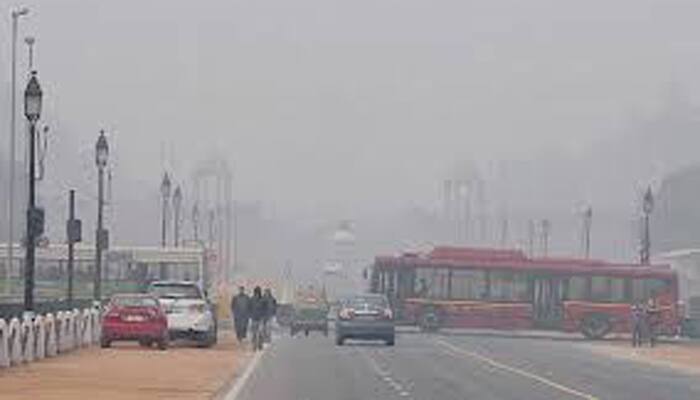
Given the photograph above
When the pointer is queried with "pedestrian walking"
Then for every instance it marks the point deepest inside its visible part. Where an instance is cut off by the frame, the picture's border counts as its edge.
(271, 311)
(638, 321)
(257, 310)
(240, 312)
(653, 314)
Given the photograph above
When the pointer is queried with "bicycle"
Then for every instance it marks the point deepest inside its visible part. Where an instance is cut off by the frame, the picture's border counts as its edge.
(257, 334)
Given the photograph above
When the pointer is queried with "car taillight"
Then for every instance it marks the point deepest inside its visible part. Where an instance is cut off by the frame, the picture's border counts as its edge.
(112, 315)
(388, 314)
(346, 313)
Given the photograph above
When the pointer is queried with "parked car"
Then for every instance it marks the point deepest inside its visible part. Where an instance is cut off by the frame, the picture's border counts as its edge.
(134, 317)
(366, 317)
(190, 314)
(309, 317)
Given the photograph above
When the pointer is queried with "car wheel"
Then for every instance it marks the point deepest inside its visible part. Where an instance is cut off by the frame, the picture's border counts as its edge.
(105, 343)
(390, 341)
(145, 342)
(339, 340)
(163, 343)
(306, 332)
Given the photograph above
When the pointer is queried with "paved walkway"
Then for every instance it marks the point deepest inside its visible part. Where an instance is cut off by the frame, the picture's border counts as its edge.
(127, 372)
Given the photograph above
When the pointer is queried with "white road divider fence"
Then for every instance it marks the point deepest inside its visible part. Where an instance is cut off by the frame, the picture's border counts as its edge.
(32, 339)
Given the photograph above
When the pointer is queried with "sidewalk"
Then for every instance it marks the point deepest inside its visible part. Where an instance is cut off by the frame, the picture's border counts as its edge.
(127, 372)
(683, 355)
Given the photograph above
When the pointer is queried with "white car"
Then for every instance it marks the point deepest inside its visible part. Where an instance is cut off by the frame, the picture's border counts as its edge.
(190, 314)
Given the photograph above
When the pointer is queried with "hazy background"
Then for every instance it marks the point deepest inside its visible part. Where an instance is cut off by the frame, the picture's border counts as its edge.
(331, 110)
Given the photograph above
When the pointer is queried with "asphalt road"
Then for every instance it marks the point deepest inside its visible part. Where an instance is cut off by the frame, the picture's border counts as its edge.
(432, 367)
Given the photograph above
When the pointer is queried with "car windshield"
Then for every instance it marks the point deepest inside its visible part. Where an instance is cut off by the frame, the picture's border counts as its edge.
(178, 291)
(367, 302)
(135, 301)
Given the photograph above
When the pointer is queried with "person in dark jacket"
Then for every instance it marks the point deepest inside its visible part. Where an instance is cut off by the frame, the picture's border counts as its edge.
(271, 311)
(239, 310)
(257, 310)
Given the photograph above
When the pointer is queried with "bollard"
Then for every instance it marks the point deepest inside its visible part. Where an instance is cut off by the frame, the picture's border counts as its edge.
(28, 339)
(40, 338)
(77, 325)
(96, 325)
(51, 335)
(4, 353)
(87, 328)
(59, 321)
(14, 342)
(70, 331)
(65, 335)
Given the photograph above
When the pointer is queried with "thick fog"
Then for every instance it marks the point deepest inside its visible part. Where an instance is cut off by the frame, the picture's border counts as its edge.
(359, 110)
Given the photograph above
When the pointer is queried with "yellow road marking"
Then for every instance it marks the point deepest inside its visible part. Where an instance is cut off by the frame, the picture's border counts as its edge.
(516, 371)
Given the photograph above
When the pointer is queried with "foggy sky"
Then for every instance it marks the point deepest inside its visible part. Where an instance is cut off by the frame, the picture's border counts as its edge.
(352, 107)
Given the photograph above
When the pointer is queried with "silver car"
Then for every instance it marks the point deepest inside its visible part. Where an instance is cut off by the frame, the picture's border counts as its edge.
(366, 317)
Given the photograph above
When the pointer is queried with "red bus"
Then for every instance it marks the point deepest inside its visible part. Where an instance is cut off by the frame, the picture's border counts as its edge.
(504, 289)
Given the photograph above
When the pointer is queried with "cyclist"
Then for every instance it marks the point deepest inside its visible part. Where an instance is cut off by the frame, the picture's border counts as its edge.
(257, 313)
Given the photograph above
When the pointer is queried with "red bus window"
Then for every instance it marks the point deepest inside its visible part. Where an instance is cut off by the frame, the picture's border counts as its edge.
(604, 288)
(508, 286)
(468, 284)
(643, 289)
(578, 288)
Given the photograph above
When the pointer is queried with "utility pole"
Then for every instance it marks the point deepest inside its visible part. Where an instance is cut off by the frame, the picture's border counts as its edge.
(545, 237)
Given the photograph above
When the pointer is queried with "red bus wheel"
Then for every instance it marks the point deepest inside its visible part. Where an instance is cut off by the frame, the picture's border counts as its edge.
(596, 325)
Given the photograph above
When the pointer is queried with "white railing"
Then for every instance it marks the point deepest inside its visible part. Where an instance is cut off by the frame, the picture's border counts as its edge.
(27, 340)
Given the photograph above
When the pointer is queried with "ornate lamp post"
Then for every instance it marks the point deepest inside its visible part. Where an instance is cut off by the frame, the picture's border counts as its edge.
(177, 204)
(165, 188)
(101, 234)
(35, 216)
(647, 208)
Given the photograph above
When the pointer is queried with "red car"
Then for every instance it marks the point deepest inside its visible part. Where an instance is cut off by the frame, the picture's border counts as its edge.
(135, 317)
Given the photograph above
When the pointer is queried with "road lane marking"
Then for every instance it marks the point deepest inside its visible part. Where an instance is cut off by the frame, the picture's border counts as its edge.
(516, 371)
(385, 375)
(240, 382)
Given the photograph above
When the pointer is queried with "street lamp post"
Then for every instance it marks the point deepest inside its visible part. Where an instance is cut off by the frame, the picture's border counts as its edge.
(16, 14)
(177, 204)
(165, 187)
(35, 219)
(101, 235)
(647, 208)
(587, 224)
